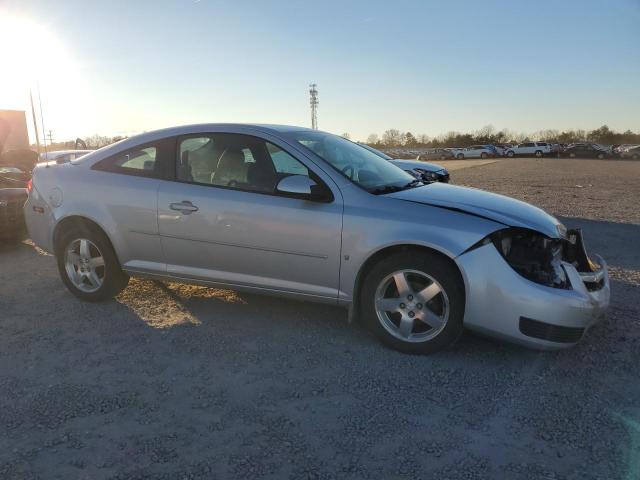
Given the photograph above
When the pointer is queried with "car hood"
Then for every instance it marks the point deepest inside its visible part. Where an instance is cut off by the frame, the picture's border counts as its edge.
(430, 167)
(498, 208)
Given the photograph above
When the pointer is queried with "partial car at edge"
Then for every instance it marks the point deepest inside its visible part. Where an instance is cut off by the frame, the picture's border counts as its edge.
(429, 172)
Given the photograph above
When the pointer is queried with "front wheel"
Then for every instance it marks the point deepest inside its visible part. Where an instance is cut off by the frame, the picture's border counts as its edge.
(88, 265)
(460, 156)
(414, 303)
(483, 155)
(510, 154)
(538, 153)
(600, 156)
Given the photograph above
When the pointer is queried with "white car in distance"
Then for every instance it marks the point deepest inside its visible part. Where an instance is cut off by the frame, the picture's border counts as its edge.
(537, 149)
(475, 151)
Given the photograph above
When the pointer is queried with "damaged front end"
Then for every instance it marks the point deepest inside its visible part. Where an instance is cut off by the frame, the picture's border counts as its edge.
(537, 290)
(540, 258)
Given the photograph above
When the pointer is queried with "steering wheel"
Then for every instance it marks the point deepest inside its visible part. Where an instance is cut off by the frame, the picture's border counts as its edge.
(348, 168)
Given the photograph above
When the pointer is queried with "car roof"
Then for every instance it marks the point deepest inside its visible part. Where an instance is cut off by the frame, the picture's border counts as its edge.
(185, 129)
(154, 135)
(203, 127)
(63, 152)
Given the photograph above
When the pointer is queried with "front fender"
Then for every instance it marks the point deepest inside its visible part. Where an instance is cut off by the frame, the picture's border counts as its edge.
(369, 230)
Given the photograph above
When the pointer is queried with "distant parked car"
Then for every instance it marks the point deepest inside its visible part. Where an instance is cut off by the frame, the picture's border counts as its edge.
(13, 194)
(429, 172)
(496, 150)
(475, 151)
(22, 159)
(585, 150)
(437, 154)
(63, 156)
(501, 148)
(555, 147)
(537, 149)
(633, 153)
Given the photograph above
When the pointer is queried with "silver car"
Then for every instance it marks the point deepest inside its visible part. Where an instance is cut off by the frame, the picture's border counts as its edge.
(301, 213)
(429, 172)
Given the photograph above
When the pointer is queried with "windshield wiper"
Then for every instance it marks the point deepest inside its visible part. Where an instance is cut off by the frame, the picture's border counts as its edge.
(413, 183)
(396, 188)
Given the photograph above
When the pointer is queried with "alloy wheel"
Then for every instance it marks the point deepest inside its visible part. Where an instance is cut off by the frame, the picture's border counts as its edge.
(412, 306)
(84, 264)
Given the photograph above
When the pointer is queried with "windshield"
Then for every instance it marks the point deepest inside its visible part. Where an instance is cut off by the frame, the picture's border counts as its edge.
(377, 152)
(358, 164)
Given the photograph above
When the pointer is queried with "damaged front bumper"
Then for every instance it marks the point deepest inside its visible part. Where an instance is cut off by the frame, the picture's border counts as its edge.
(502, 303)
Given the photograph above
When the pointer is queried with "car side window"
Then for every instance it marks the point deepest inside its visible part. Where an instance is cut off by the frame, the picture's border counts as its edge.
(236, 161)
(285, 163)
(139, 161)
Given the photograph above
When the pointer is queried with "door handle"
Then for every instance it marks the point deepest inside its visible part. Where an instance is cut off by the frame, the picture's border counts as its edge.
(186, 207)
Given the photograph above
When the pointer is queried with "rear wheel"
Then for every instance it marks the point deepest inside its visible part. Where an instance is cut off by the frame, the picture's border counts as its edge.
(483, 155)
(460, 156)
(510, 154)
(414, 303)
(635, 156)
(88, 265)
(600, 156)
(572, 155)
(538, 153)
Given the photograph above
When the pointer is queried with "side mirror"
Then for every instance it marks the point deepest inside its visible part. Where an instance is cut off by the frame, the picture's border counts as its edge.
(296, 186)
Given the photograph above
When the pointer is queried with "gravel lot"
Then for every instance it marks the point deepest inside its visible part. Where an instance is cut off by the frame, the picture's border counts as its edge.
(174, 381)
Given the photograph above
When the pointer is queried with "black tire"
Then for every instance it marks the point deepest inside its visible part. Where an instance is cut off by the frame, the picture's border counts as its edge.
(635, 156)
(510, 154)
(435, 266)
(460, 156)
(572, 155)
(114, 281)
(538, 153)
(483, 155)
(600, 156)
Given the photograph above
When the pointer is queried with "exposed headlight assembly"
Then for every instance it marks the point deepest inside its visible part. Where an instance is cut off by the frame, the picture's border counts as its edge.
(534, 256)
(426, 174)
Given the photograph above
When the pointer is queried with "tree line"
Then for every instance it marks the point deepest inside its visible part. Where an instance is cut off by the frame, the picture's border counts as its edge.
(394, 138)
(489, 135)
(92, 143)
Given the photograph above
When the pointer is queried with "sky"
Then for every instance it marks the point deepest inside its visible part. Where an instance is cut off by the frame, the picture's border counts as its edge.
(429, 67)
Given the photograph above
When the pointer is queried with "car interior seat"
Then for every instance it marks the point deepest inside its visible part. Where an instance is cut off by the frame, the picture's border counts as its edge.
(231, 169)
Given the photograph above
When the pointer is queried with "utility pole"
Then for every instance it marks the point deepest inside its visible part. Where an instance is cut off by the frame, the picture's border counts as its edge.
(35, 122)
(44, 137)
(50, 135)
(313, 92)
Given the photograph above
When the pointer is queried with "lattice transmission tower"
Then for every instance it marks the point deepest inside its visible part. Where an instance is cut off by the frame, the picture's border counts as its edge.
(313, 93)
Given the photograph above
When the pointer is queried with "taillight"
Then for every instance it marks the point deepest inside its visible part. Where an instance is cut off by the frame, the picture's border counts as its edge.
(30, 185)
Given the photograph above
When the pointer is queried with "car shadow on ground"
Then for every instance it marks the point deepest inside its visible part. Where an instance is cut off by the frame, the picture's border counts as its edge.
(165, 305)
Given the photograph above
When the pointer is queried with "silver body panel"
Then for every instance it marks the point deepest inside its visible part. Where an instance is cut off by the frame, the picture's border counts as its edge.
(300, 248)
(497, 297)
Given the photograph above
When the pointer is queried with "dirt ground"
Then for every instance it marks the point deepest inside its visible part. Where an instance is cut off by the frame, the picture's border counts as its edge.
(175, 382)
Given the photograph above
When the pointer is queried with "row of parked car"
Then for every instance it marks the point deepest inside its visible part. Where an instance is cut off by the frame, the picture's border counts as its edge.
(535, 149)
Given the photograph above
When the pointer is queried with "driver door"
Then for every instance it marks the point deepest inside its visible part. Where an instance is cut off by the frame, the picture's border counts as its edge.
(222, 220)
